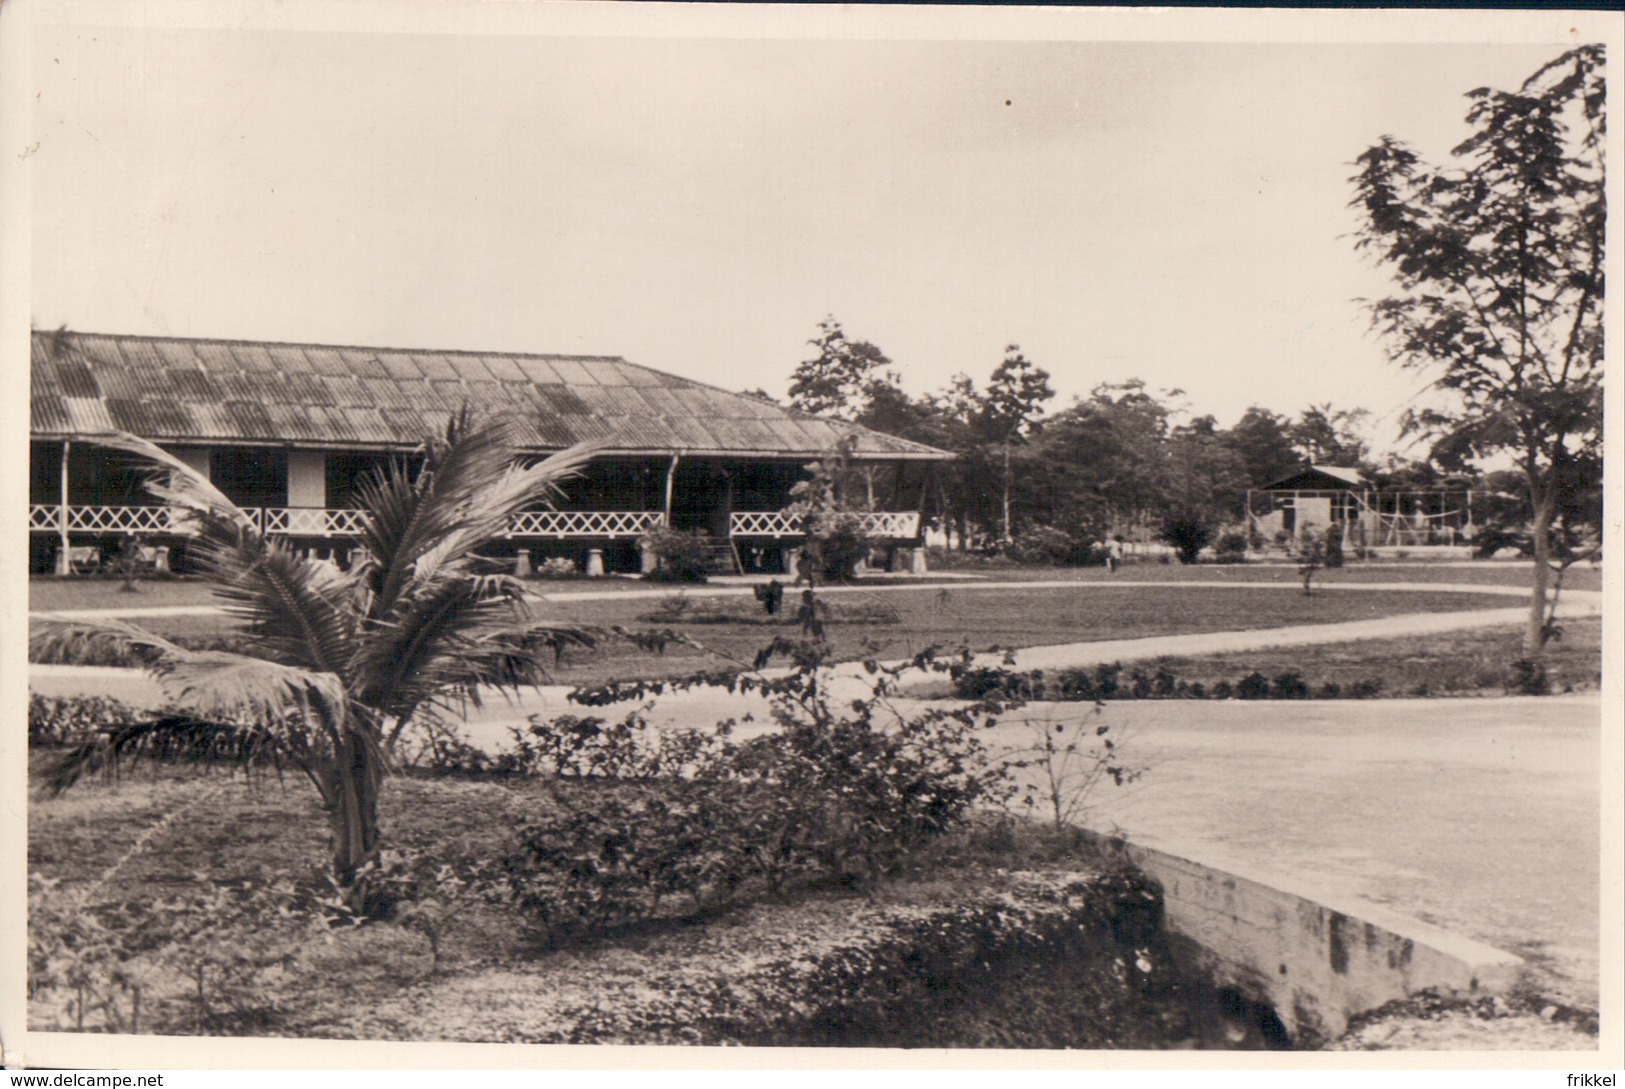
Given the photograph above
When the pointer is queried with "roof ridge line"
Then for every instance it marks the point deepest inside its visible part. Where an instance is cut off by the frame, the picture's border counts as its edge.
(303, 344)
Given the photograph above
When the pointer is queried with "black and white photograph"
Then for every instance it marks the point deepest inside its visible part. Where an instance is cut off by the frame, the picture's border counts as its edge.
(1007, 533)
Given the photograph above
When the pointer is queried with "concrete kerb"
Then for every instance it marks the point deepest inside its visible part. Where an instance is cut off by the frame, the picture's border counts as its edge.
(1314, 960)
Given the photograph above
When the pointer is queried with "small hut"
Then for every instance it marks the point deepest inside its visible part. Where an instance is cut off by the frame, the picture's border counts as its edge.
(1330, 496)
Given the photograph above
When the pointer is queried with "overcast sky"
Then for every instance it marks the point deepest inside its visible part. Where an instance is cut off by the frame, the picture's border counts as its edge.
(1172, 212)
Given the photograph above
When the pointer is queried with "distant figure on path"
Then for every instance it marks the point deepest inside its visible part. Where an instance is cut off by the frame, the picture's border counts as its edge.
(1114, 553)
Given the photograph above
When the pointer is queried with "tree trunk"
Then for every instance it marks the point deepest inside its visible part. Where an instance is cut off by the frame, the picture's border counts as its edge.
(1545, 507)
(354, 813)
(1006, 496)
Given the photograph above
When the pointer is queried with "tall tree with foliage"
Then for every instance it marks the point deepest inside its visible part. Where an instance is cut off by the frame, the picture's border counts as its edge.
(1204, 486)
(333, 667)
(1331, 436)
(840, 379)
(1263, 441)
(1015, 398)
(1497, 263)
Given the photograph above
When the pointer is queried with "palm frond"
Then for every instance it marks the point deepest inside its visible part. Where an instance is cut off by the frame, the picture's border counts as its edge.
(299, 612)
(408, 517)
(468, 488)
(172, 480)
(210, 684)
(168, 739)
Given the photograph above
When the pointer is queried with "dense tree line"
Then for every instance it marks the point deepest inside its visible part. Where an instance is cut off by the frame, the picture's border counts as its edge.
(1122, 462)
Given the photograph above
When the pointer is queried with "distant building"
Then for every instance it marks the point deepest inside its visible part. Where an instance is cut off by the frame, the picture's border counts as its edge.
(1327, 496)
(286, 430)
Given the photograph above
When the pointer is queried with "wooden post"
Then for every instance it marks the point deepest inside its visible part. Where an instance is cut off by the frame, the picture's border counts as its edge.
(64, 563)
(671, 475)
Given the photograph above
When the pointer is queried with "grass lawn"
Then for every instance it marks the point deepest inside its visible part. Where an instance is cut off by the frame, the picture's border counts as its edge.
(48, 594)
(889, 623)
(984, 618)
(1450, 663)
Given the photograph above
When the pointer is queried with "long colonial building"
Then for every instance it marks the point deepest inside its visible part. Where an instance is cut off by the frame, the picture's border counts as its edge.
(286, 430)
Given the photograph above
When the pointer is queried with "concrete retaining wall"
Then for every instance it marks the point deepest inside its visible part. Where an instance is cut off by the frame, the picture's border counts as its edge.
(1313, 959)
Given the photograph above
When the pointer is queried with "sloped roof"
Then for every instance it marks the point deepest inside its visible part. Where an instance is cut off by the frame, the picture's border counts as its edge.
(1318, 478)
(175, 390)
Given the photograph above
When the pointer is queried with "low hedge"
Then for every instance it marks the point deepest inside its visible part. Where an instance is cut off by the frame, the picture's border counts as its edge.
(1113, 682)
(1044, 960)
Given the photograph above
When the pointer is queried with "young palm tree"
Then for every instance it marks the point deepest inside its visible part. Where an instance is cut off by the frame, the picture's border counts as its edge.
(335, 666)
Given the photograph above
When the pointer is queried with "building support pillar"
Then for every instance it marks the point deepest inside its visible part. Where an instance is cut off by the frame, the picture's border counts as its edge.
(64, 562)
(671, 476)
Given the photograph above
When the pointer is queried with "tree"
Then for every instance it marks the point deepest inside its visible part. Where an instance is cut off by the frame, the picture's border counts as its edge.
(1015, 396)
(1497, 264)
(953, 414)
(838, 380)
(1204, 485)
(334, 667)
(1263, 441)
(1328, 436)
(1102, 463)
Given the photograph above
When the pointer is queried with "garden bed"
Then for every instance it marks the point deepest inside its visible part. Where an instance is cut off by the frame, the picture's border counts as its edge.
(952, 952)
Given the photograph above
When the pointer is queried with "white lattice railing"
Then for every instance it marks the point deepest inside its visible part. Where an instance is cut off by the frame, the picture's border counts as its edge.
(327, 522)
(46, 518)
(584, 523)
(308, 521)
(320, 522)
(897, 525)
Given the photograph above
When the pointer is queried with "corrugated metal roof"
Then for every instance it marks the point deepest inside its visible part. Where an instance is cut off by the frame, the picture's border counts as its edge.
(177, 390)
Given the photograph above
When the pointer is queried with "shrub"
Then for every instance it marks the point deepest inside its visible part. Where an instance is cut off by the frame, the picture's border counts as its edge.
(590, 747)
(1187, 534)
(557, 567)
(836, 544)
(212, 957)
(1069, 759)
(1039, 545)
(1334, 547)
(1254, 686)
(1289, 686)
(61, 721)
(1528, 678)
(681, 556)
(1231, 547)
(842, 792)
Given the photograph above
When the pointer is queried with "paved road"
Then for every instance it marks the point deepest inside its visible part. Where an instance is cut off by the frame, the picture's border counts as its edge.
(1478, 815)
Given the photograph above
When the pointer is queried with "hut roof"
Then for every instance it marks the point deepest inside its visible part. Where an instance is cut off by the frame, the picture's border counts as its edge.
(1318, 478)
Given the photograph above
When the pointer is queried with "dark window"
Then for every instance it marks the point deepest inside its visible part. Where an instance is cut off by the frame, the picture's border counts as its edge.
(102, 477)
(45, 472)
(251, 476)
